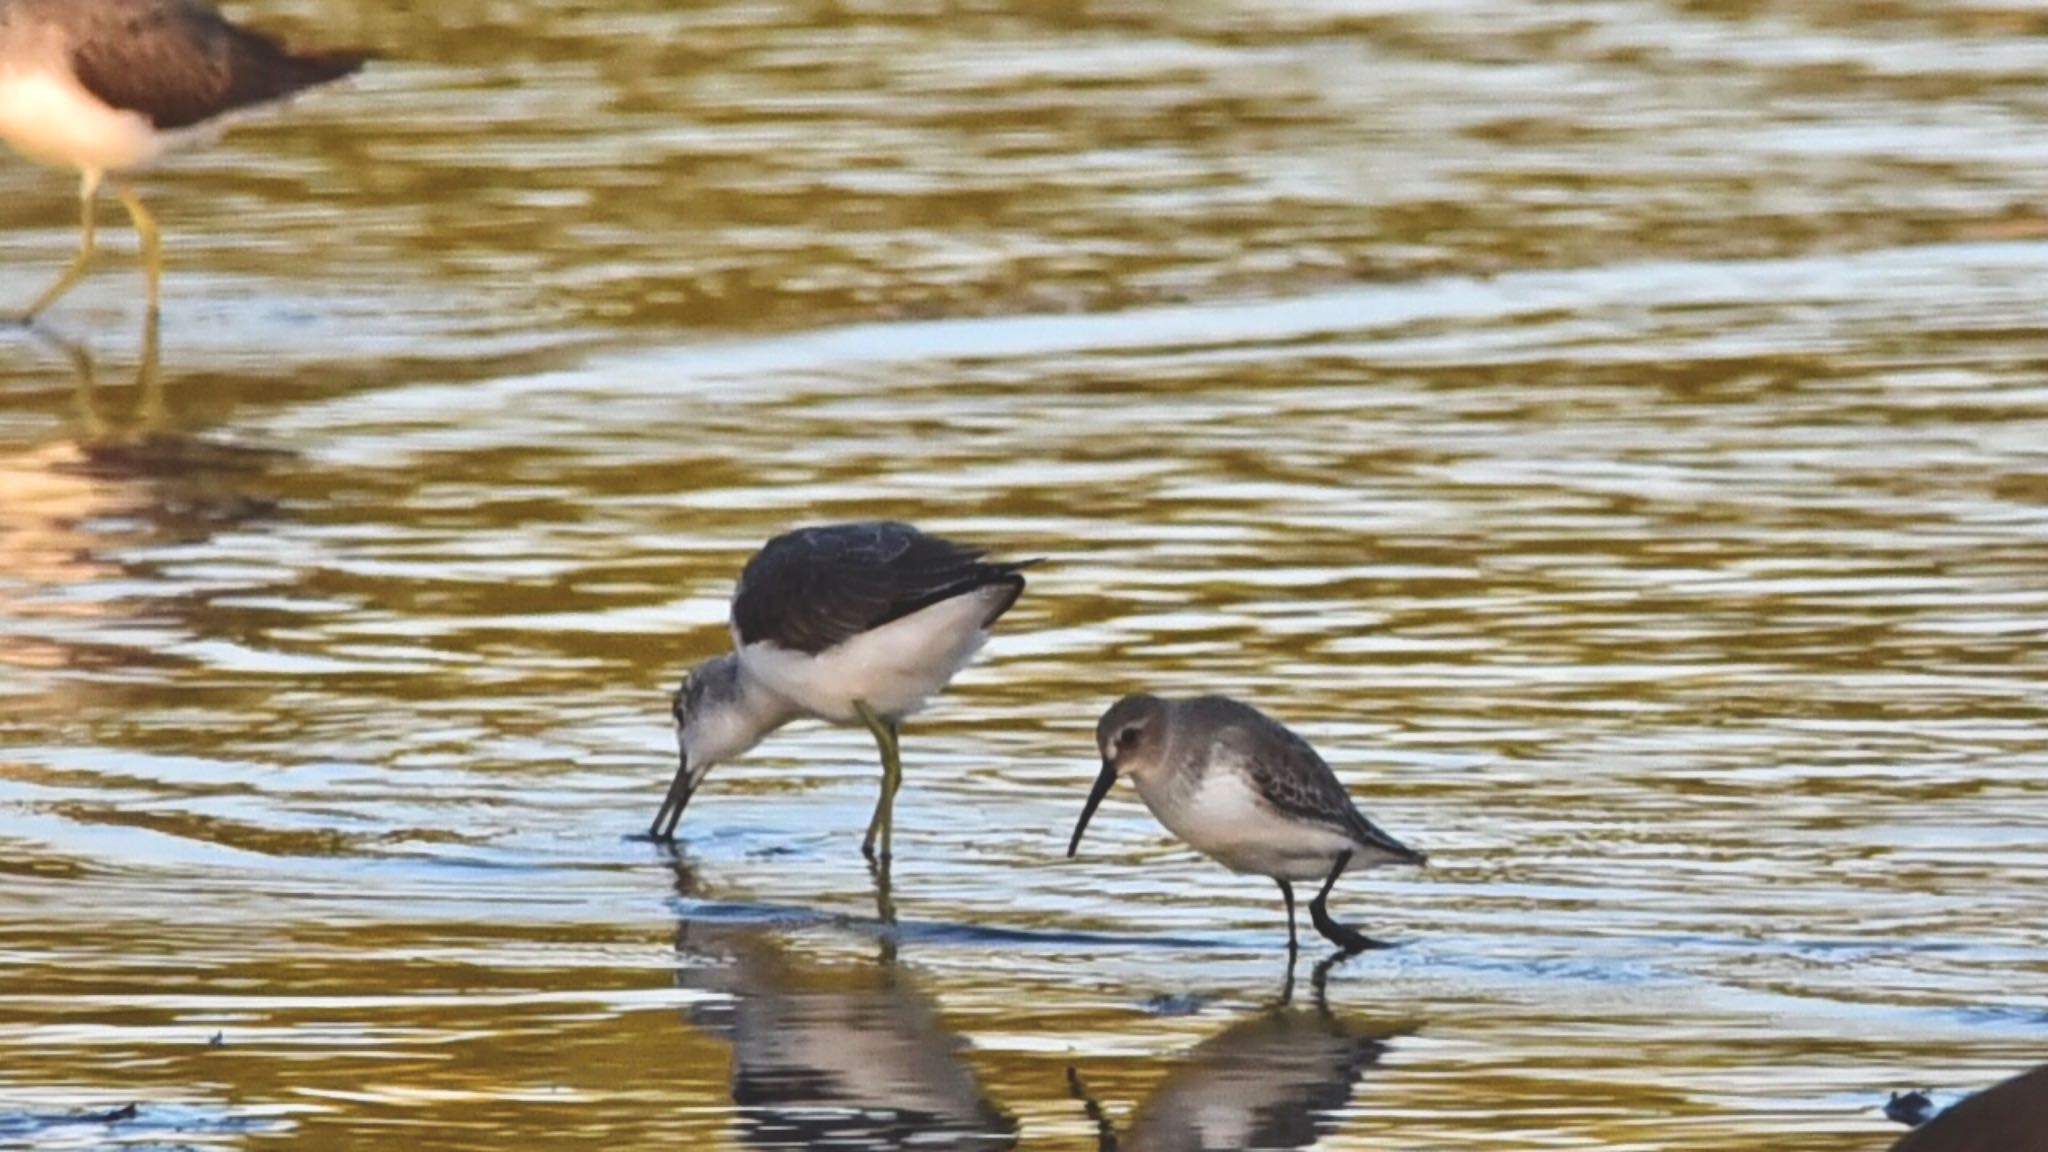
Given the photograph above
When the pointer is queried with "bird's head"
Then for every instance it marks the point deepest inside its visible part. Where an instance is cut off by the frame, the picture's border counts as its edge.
(710, 728)
(1132, 738)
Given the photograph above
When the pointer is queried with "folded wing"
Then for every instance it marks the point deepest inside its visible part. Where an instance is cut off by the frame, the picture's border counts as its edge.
(816, 588)
(179, 63)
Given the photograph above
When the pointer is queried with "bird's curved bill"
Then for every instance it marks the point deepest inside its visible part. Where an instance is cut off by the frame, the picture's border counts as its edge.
(1095, 796)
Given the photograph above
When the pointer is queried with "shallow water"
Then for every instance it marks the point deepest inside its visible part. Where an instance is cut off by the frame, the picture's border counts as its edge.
(1615, 433)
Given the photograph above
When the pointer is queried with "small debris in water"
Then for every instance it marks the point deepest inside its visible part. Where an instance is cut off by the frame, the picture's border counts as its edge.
(1911, 1109)
(218, 1040)
(1169, 1005)
(124, 1112)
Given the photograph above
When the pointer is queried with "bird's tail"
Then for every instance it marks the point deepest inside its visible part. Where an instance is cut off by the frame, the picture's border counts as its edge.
(262, 70)
(1371, 836)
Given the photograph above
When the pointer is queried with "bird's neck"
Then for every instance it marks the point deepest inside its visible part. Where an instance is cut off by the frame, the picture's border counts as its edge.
(745, 712)
(1161, 790)
(756, 709)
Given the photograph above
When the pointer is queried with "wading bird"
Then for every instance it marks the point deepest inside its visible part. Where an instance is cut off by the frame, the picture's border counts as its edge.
(1243, 790)
(849, 623)
(110, 87)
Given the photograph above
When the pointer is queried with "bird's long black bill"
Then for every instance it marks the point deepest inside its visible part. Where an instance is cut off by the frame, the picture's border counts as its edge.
(671, 813)
(1095, 796)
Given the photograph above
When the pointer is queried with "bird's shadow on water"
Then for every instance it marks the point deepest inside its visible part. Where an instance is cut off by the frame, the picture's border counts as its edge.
(886, 925)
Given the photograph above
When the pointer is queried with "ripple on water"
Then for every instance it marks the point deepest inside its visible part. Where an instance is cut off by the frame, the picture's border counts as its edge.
(1613, 433)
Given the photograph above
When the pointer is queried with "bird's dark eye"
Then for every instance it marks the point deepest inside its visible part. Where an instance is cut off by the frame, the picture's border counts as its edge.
(1128, 737)
(675, 707)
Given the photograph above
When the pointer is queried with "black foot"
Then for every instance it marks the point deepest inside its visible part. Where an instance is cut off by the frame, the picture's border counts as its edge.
(656, 835)
(1351, 940)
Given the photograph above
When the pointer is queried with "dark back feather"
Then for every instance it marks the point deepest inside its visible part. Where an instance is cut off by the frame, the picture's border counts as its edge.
(179, 63)
(815, 588)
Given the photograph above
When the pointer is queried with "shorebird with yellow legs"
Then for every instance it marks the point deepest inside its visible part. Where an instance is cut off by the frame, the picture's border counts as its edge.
(111, 87)
(849, 623)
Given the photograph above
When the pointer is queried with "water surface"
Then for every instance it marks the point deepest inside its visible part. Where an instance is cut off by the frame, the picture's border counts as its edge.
(1613, 432)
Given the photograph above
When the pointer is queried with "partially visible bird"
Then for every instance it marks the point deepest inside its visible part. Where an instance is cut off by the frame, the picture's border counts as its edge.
(110, 87)
(1243, 790)
(850, 623)
(1910, 1108)
(2009, 1116)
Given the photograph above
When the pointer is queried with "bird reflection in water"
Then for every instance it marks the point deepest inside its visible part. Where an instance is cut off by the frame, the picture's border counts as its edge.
(1277, 1079)
(2011, 1116)
(838, 1056)
(147, 440)
(94, 432)
(74, 509)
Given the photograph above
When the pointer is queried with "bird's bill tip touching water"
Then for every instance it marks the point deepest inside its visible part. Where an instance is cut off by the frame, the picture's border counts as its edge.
(1095, 795)
(671, 812)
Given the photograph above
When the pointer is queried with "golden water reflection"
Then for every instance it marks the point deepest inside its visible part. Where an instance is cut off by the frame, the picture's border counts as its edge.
(844, 1056)
(1612, 433)
(1279, 1078)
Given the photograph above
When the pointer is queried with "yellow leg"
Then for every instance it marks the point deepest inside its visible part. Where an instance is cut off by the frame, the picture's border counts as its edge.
(152, 245)
(80, 264)
(884, 822)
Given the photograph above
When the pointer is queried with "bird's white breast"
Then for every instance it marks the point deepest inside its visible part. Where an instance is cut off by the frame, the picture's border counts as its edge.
(50, 118)
(895, 669)
(1223, 817)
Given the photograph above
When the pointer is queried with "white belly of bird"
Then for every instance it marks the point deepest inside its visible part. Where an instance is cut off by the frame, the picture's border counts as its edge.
(1224, 819)
(894, 669)
(49, 118)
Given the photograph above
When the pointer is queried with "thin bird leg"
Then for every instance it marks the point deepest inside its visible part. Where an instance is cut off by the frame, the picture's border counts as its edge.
(1349, 939)
(1287, 894)
(152, 245)
(883, 823)
(88, 248)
